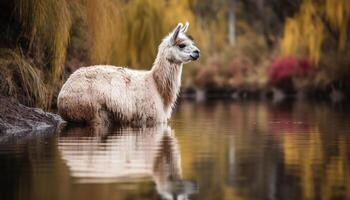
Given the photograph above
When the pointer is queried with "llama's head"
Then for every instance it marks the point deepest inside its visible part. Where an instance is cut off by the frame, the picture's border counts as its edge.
(178, 47)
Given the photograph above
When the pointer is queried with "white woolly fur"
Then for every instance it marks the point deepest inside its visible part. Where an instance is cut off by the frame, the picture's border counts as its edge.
(110, 94)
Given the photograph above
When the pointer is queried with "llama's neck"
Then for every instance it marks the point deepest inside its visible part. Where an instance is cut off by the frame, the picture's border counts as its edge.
(167, 76)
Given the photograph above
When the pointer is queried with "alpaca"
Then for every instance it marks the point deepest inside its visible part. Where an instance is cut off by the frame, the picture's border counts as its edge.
(104, 93)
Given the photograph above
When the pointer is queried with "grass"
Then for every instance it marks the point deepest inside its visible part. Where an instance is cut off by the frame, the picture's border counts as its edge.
(21, 80)
(46, 23)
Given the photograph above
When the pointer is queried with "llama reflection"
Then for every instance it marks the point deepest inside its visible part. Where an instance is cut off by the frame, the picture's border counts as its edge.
(126, 155)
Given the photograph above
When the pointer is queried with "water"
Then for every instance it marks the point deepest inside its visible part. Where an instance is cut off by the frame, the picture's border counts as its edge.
(218, 150)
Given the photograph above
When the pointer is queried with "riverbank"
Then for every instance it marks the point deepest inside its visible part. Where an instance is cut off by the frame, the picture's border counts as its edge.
(16, 118)
(329, 93)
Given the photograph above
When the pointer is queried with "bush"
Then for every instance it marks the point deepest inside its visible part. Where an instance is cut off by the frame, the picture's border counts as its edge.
(241, 66)
(288, 67)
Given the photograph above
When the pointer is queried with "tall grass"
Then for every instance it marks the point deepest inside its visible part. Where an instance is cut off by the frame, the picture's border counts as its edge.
(102, 18)
(47, 23)
(21, 80)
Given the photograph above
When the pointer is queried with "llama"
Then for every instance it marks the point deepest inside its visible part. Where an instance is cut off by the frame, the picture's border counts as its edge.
(102, 94)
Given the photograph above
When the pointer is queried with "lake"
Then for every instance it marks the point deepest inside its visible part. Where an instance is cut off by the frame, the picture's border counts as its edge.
(213, 150)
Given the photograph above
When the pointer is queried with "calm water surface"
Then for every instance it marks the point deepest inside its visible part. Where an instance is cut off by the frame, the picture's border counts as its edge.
(218, 150)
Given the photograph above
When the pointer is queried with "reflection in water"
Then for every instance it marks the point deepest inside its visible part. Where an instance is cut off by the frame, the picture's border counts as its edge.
(127, 155)
(231, 150)
(292, 151)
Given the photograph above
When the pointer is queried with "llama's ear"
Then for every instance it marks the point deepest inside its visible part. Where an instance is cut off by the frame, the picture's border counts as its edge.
(184, 29)
(176, 33)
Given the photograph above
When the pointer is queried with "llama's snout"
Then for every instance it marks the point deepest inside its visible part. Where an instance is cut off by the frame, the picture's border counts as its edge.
(195, 54)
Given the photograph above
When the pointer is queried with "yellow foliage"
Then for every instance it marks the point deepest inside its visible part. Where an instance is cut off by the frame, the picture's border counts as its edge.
(338, 15)
(141, 33)
(49, 23)
(103, 27)
(118, 32)
(306, 32)
(145, 23)
(128, 33)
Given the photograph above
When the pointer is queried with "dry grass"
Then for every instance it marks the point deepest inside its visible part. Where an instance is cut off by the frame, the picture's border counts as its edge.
(21, 80)
(47, 23)
(103, 28)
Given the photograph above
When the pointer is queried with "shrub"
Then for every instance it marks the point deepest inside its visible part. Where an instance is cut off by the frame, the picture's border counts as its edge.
(288, 67)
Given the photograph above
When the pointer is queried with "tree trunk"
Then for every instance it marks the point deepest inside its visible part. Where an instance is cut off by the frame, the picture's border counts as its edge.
(232, 23)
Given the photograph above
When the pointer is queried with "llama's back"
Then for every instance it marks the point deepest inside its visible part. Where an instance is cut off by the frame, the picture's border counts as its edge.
(91, 91)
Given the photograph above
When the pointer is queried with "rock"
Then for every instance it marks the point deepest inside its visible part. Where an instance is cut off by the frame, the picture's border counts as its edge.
(336, 96)
(278, 95)
(17, 118)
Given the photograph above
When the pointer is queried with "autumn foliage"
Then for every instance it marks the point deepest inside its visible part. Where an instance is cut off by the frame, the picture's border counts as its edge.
(289, 67)
(52, 38)
(319, 28)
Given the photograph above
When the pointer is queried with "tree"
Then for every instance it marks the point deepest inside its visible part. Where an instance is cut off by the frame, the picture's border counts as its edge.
(320, 27)
(231, 23)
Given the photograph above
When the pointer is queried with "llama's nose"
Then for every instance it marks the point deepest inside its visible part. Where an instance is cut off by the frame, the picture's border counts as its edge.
(195, 54)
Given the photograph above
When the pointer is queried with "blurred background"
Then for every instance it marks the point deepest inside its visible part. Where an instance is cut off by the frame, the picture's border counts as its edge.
(242, 149)
(250, 48)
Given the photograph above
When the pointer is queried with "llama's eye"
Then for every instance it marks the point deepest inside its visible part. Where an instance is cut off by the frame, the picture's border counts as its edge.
(181, 46)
